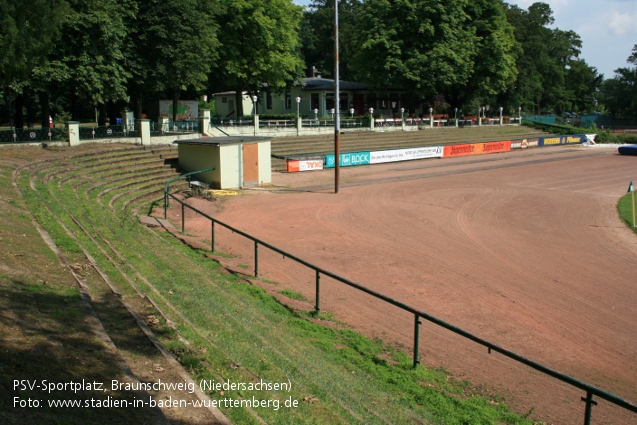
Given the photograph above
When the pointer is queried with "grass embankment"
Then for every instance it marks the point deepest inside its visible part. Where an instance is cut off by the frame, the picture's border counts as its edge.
(227, 330)
(626, 207)
(47, 331)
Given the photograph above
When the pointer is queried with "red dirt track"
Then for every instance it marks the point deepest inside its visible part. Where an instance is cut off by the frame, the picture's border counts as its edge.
(524, 249)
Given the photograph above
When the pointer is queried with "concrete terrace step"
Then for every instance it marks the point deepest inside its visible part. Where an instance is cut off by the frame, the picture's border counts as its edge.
(361, 141)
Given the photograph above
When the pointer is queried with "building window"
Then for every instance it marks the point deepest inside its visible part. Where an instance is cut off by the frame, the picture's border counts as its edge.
(288, 101)
(224, 100)
(329, 101)
(344, 101)
(268, 100)
(315, 101)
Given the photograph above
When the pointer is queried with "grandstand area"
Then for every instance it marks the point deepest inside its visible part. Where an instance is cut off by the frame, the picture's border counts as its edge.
(511, 246)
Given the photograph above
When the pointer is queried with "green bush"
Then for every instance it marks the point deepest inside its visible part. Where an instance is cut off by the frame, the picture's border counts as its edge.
(559, 129)
(277, 116)
(605, 136)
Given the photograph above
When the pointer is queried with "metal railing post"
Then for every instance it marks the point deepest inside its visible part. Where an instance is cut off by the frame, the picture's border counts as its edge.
(317, 307)
(165, 203)
(416, 338)
(212, 236)
(183, 218)
(588, 413)
(256, 258)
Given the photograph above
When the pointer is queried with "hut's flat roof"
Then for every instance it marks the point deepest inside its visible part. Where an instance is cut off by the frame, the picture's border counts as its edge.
(217, 141)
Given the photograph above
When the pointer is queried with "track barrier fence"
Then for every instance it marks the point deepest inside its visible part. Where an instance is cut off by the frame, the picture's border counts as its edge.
(590, 390)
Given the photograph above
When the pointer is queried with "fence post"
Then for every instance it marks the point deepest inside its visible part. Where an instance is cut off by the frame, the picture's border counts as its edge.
(212, 236)
(416, 339)
(318, 292)
(144, 131)
(256, 258)
(72, 133)
(589, 407)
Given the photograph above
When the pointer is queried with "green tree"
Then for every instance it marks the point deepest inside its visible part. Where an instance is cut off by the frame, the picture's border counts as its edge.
(423, 46)
(26, 38)
(89, 59)
(174, 46)
(582, 82)
(548, 58)
(317, 36)
(260, 46)
(619, 94)
(496, 49)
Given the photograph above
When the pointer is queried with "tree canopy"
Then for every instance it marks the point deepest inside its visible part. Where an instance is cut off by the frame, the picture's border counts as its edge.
(619, 93)
(78, 53)
(260, 45)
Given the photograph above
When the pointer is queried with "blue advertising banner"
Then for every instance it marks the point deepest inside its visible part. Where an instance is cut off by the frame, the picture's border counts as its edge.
(348, 159)
(562, 140)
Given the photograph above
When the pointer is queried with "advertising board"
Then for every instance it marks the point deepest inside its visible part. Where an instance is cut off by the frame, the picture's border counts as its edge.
(477, 148)
(523, 144)
(297, 165)
(187, 110)
(348, 159)
(405, 154)
(562, 140)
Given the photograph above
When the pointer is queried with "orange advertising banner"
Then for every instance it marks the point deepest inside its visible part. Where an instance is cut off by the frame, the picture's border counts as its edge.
(293, 166)
(461, 150)
(477, 148)
(492, 147)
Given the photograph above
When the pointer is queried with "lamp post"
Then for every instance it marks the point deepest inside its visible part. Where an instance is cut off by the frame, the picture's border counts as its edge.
(298, 114)
(402, 114)
(500, 115)
(351, 111)
(431, 117)
(332, 112)
(519, 115)
(337, 104)
(455, 115)
(315, 114)
(255, 123)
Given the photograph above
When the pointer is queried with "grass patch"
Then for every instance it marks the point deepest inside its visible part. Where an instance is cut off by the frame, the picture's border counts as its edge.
(625, 208)
(293, 294)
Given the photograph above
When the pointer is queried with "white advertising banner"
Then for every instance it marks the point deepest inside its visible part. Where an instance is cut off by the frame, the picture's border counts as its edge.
(405, 154)
(310, 164)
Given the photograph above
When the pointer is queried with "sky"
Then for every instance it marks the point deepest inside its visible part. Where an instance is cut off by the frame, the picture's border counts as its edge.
(608, 28)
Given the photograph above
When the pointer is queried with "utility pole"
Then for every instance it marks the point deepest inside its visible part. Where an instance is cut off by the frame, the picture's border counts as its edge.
(337, 105)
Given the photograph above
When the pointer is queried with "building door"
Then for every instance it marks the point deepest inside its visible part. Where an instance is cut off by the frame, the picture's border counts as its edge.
(359, 104)
(250, 164)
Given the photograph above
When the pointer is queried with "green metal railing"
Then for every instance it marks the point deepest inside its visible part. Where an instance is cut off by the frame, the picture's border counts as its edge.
(167, 192)
(106, 132)
(43, 134)
(590, 390)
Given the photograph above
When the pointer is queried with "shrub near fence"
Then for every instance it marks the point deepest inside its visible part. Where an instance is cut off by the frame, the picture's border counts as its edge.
(589, 390)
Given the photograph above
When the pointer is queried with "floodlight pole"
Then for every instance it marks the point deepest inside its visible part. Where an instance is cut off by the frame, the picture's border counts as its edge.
(10, 111)
(337, 105)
